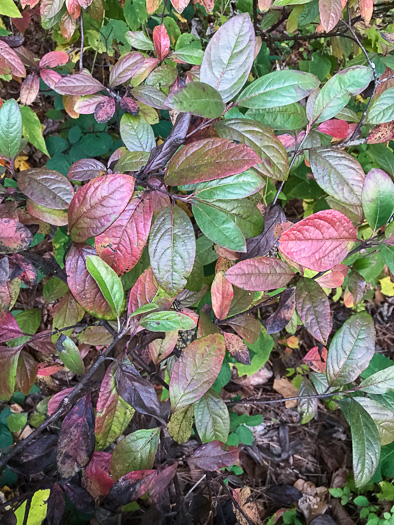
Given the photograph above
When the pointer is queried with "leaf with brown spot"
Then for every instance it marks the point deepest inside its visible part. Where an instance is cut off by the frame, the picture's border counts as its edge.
(237, 348)
(14, 237)
(246, 326)
(283, 314)
(222, 295)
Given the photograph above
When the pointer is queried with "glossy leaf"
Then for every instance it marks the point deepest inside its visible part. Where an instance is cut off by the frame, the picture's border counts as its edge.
(46, 187)
(69, 354)
(136, 133)
(316, 359)
(381, 416)
(122, 244)
(260, 274)
(76, 438)
(167, 322)
(378, 198)
(172, 248)
(10, 63)
(136, 391)
(222, 295)
(96, 478)
(9, 328)
(143, 292)
(246, 326)
(276, 89)
(283, 314)
(196, 370)
(338, 129)
(380, 382)
(161, 41)
(234, 187)
(132, 161)
(209, 159)
(229, 56)
(125, 68)
(55, 217)
(365, 441)
(262, 244)
(159, 349)
(11, 127)
(150, 96)
(313, 308)
(214, 456)
(97, 205)
(8, 366)
(382, 108)
(339, 174)
(197, 98)
(135, 452)
(320, 241)
(287, 118)
(351, 349)
(337, 92)
(307, 406)
(86, 169)
(264, 143)
(79, 84)
(14, 237)
(212, 418)
(109, 283)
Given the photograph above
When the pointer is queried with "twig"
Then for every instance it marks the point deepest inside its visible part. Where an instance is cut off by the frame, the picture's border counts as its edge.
(255, 15)
(249, 401)
(235, 502)
(82, 44)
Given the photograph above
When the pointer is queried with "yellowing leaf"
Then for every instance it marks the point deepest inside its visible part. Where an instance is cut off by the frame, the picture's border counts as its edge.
(387, 287)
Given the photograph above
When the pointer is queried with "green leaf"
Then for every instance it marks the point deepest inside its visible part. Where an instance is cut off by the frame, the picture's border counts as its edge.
(219, 227)
(279, 88)
(285, 118)
(234, 187)
(10, 129)
(29, 322)
(8, 8)
(382, 416)
(8, 366)
(351, 349)
(32, 129)
(212, 418)
(387, 252)
(365, 441)
(69, 354)
(132, 161)
(109, 283)
(36, 512)
(307, 407)
(337, 92)
(54, 289)
(268, 147)
(378, 198)
(180, 424)
(172, 248)
(197, 98)
(144, 309)
(189, 55)
(167, 322)
(382, 108)
(136, 133)
(135, 452)
(16, 422)
(380, 382)
(261, 352)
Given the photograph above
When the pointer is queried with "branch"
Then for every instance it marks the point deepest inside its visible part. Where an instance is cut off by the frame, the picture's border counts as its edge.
(82, 45)
(251, 401)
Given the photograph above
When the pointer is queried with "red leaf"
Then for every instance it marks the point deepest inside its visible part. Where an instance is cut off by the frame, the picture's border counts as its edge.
(209, 159)
(9, 328)
(338, 129)
(122, 244)
(29, 89)
(283, 314)
(98, 204)
(14, 237)
(313, 309)
(51, 78)
(54, 59)
(129, 105)
(180, 5)
(246, 326)
(96, 478)
(10, 62)
(222, 295)
(76, 438)
(79, 84)
(159, 349)
(214, 456)
(260, 274)
(125, 68)
(366, 10)
(73, 8)
(82, 285)
(237, 348)
(86, 169)
(319, 242)
(316, 360)
(55, 400)
(334, 278)
(105, 110)
(22, 23)
(143, 291)
(26, 372)
(68, 25)
(330, 13)
(161, 41)
(46, 371)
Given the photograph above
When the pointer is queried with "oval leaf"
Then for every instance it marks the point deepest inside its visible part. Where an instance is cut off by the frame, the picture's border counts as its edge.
(46, 187)
(167, 322)
(212, 418)
(260, 274)
(313, 308)
(109, 283)
(14, 237)
(378, 198)
(197, 98)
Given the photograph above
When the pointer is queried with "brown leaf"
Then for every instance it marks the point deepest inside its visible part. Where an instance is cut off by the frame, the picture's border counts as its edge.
(286, 389)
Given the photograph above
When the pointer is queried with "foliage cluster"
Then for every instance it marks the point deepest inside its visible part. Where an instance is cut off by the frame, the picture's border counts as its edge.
(197, 185)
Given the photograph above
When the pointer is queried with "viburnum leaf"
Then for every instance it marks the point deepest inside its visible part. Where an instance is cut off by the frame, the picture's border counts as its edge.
(382, 108)
(380, 382)
(307, 406)
(137, 391)
(336, 128)
(330, 13)
(260, 274)
(316, 359)
(96, 478)
(113, 414)
(135, 452)
(172, 248)
(11, 127)
(14, 237)
(167, 322)
(382, 416)
(54, 59)
(79, 84)
(196, 370)
(313, 308)
(98, 204)
(263, 243)
(109, 283)
(262, 140)
(86, 169)
(214, 456)
(180, 424)
(105, 110)
(9, 328)
(237, 348)
(159, 349)
(180, 5)
(197, 98)
(319, 242)
(69, 354)
(338, 90)
(161, 41)
(29, 89)
(76, 438)
(82, 285)
(136, 133)
(55, 217)
(122, 244)
(366, 10)
(338, 173)
(283, 314)
(139, 40)
(8, 366)
(276, 89)
(125, 68)
(143, 292)
(378, 198)
(246, 326)
(365, 441)
(209, 159)
(46, 187)
(222, 295)
(351, 349)
(132, 161)
(234, 187)
(212, 418)
(150, 95)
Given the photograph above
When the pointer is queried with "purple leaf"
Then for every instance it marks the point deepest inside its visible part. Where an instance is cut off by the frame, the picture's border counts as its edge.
(46, 187)
(79, 84)
(86, 169)
(137, 391)
(214, 456)
(283, 314)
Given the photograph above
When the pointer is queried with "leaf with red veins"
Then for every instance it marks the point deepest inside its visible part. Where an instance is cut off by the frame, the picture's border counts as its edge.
(86, 169)
(125, 68)
(54, 59)
(10, 62)
(222, 295)
(316, 359)
(336, 128)
(87, 105)
(260, 274)
(51, 78)
(78, 84)
(319, 242)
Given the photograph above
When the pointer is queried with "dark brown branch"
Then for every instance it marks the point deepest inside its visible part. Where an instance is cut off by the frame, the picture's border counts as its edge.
(251, 401)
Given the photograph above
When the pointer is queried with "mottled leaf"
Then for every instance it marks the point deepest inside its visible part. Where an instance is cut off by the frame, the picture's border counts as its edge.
(180, 425)
(237, 348)
(109, 283)
(69, 354)
(214, 456)
(313, 308)
(222, 295)
(283, 314)
(260, 274)
(14, 237)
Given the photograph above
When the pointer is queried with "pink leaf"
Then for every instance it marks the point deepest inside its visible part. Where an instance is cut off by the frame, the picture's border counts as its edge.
(180, 5)
(260, 274)
(316, 360)
(55, 400)
(320, 241)
(54, 59)
(79, 84)
(86, 169)
(98, 204)
(125, 68)
(96, 478)
(51, 78)
(29, 273)
(14, 237)
(143, 291)
(105, 110)
(10, 62)
(9, 328)
(46, 187)
(366, 10)
(46, 371)
(338, 129)
(129, 105)
(87, 105)
(237, 348)
(159, 349)
(161, 41)
(73, 8)
(29, 89)
(334, 278)
(122, 244)
(330, 13)
(222, 295)
(214, 456)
